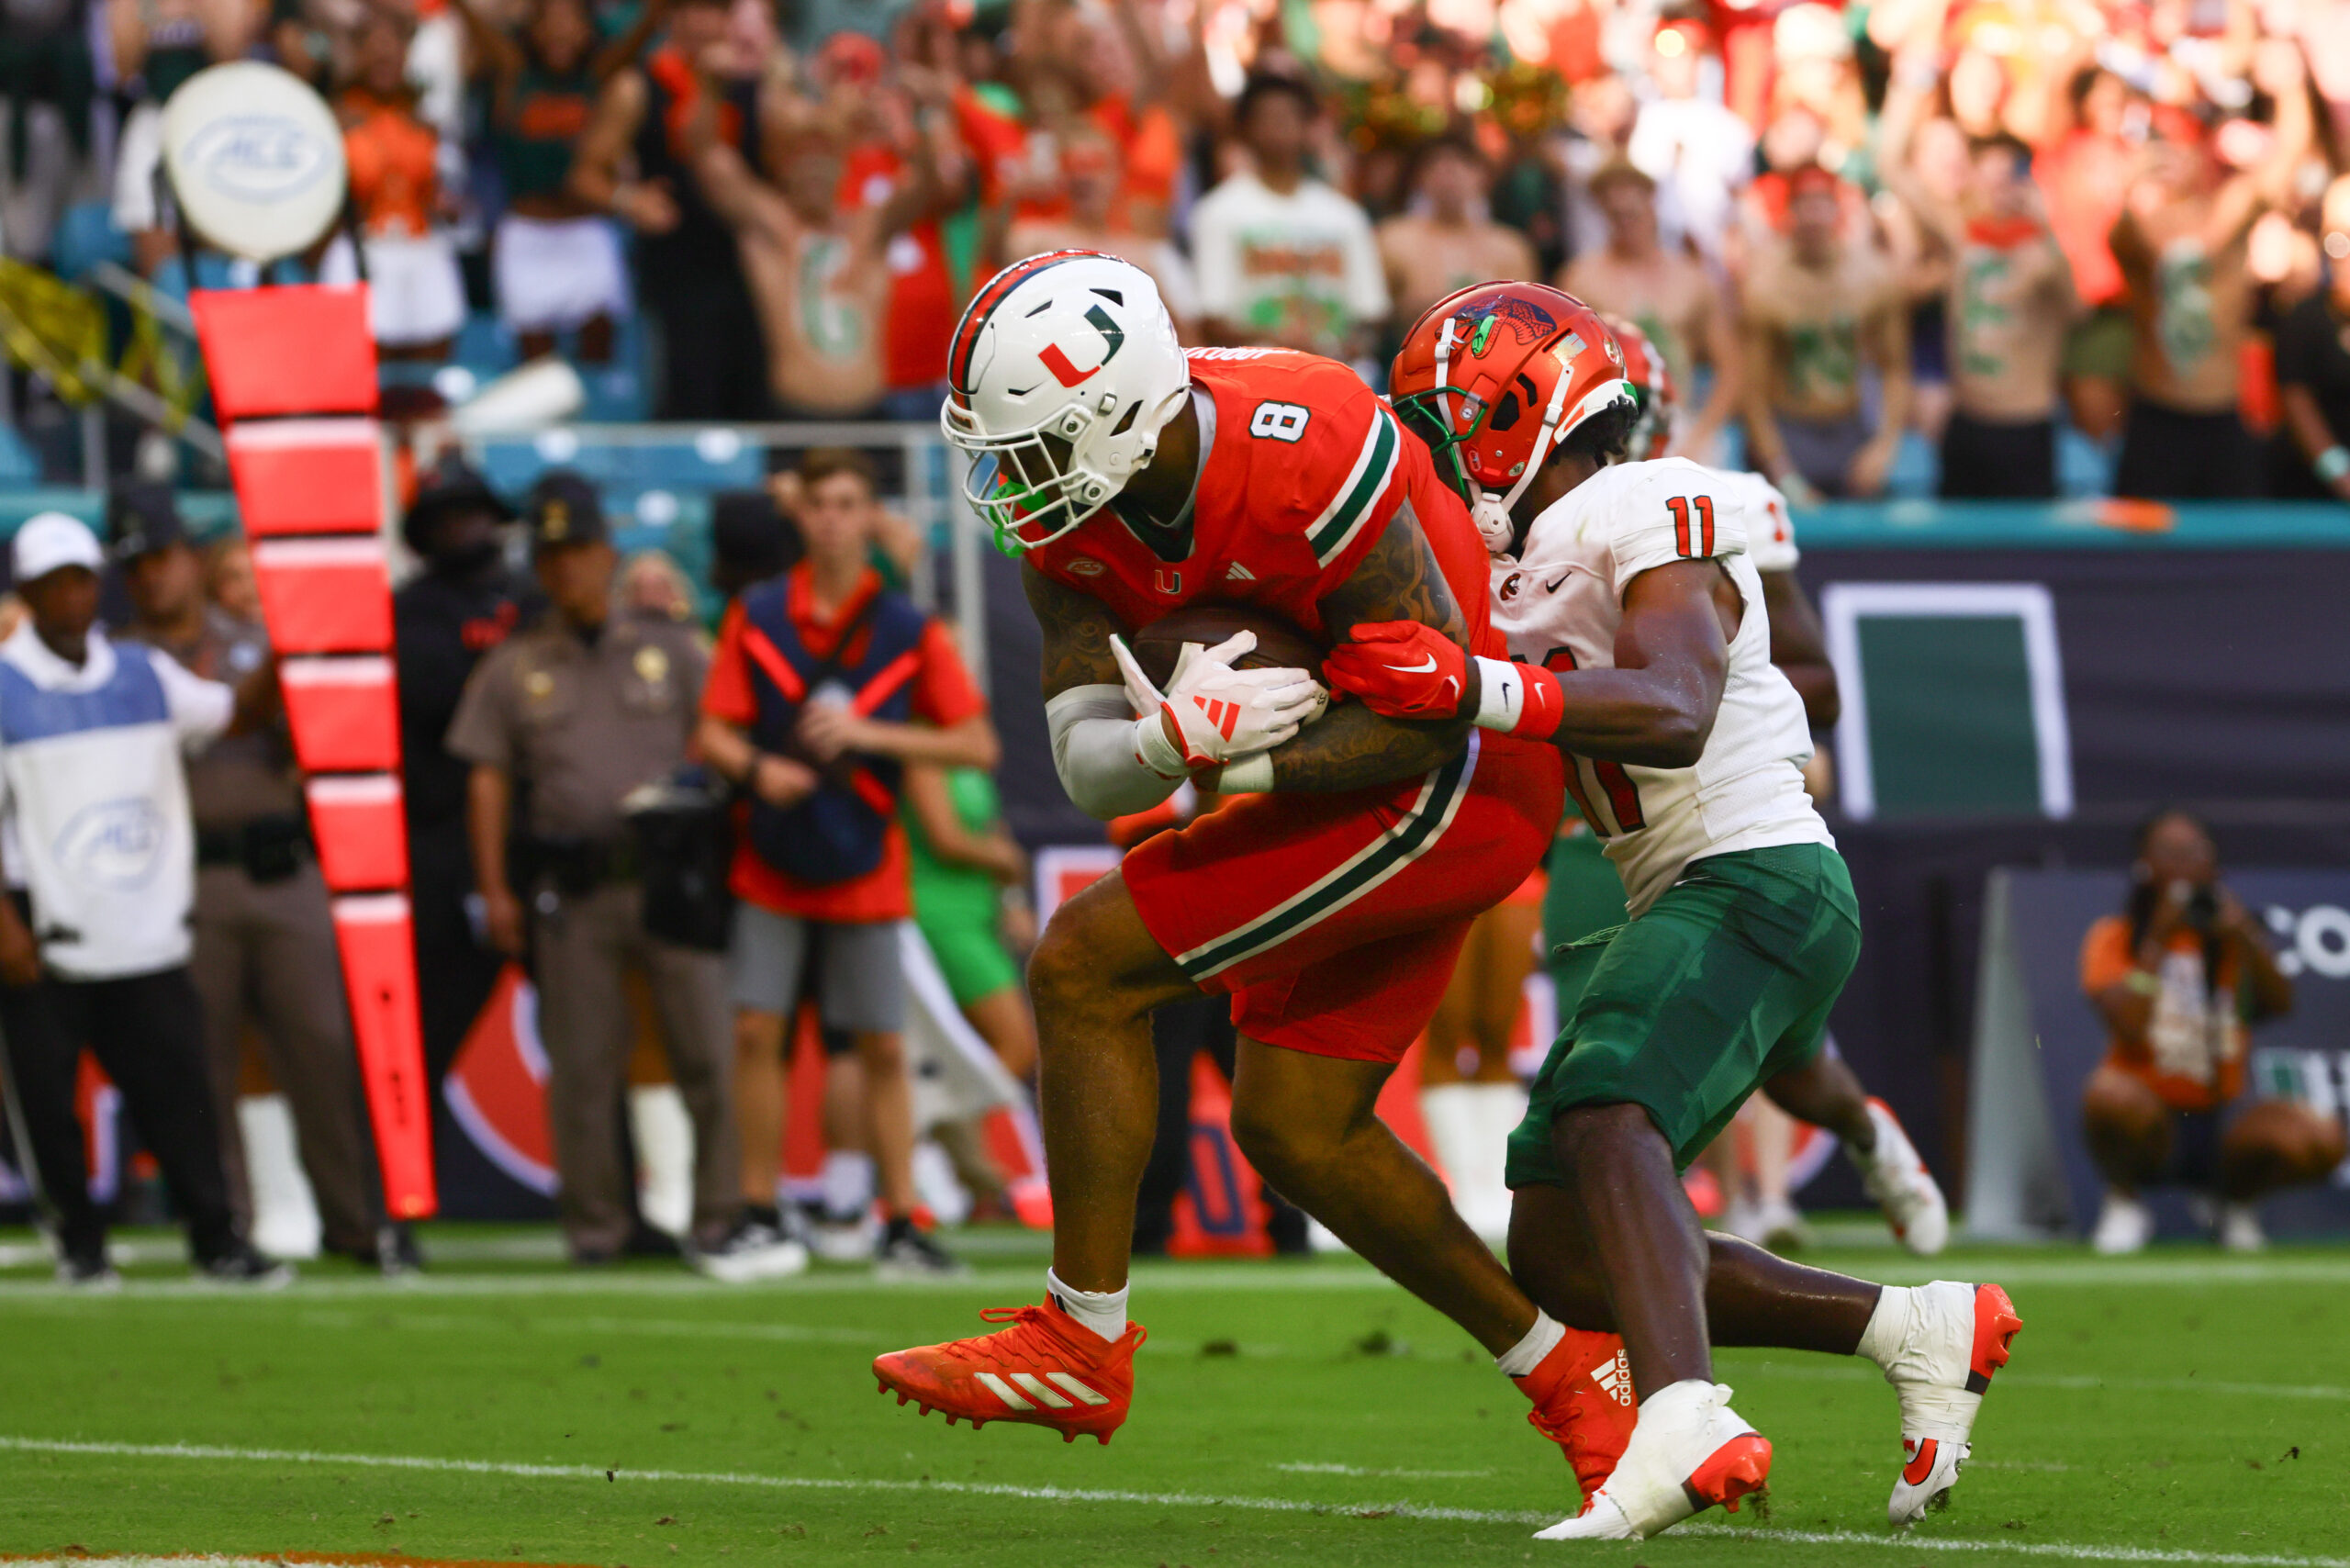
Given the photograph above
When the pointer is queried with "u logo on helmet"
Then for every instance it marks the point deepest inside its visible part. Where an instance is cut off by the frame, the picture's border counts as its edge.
(1066, 372)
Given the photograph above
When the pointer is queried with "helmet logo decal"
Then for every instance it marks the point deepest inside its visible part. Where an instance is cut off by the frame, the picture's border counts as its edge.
(1067, 374)
(1529, 323)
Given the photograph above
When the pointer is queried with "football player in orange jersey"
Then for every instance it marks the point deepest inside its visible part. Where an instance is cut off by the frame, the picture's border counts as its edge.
(1329, 900)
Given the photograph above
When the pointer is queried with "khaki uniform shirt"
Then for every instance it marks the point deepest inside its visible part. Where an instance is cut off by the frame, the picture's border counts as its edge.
(238, 777)
(580, 722)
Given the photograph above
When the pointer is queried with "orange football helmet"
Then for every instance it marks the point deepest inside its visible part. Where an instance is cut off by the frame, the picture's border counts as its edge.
(1494, 378)
(1652, 381)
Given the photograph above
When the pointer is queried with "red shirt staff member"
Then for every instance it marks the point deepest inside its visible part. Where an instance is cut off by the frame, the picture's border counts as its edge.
(814, 688)
(2175, 977)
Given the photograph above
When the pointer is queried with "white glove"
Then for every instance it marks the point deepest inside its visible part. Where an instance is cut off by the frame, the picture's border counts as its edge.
(1220, 713)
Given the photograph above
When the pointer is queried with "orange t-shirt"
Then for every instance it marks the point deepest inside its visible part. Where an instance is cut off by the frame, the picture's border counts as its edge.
(393, 161)
(2192, 1054)
(942, 695)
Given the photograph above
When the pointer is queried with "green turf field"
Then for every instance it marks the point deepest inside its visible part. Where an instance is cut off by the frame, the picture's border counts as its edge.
(2178, 1407)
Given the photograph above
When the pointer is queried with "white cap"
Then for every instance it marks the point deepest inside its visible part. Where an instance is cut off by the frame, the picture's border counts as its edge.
(49, 540)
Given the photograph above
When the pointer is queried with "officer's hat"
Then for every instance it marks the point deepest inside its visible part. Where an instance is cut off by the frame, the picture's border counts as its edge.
(563, 508)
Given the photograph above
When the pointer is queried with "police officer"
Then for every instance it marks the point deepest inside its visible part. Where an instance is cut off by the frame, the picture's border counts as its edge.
(264, 937)
(586, 705)
(463, 604)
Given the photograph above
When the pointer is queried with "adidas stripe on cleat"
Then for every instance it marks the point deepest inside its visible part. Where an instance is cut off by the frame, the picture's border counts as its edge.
(1583, 1402)
(1044, 1369)
(1959, 1337)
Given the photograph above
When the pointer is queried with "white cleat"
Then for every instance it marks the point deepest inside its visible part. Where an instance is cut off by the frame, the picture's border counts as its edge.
(1902, 1186)
(2240, 1229)
(2124, 1225)
(1688, 1451)
(1957, 1336)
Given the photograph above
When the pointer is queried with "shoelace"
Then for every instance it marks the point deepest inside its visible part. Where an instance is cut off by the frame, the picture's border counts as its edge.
(1031, 1318)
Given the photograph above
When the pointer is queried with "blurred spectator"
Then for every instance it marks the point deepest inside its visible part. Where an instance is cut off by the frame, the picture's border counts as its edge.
(48, 83)
(94, 949)
(570, 715)
(2178, 975)
(464, 603)
(818, 271)
(2010, 304)
(558, 261)
(751, 540)
(1284, 258)
(2313, 371)
(264, 953)
(156, 46)
(1820, 308)
(2085, 167)
(814, 689)
(1667, 293)
(1093, 166)
(970, 892)
(415, 296)
(228, 579)
(1445, 239)
(1696, 149)
(2182, 242)
(652, 584)
(636, 163)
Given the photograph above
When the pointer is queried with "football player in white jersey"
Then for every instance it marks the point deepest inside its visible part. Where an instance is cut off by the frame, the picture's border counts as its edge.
(1824, 1090)
(1640, 647)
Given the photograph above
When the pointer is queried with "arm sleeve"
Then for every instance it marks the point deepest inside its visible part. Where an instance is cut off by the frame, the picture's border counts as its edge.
(1676, 512)
(482, 731)
(727, 694)
(1771, 540)
(1093, 752)
(200, 709)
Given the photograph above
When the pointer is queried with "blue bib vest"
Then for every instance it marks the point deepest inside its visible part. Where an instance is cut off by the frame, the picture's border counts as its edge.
(840, 832)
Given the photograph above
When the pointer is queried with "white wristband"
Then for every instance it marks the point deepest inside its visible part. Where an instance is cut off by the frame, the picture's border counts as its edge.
(1501, 694)
(1251, 775)
(1154, 750)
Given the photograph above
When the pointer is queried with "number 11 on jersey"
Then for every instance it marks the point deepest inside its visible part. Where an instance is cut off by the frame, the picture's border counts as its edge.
(1679, 507)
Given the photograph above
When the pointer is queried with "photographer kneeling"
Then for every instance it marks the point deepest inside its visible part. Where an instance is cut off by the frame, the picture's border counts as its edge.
(2178, 976)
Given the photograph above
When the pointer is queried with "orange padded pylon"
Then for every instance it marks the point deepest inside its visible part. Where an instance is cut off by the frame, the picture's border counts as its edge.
(379, 967)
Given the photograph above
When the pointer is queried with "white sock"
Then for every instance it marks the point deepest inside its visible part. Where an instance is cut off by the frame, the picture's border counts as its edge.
(1540, 1342)
(1104, 1312)
(1888, 1329)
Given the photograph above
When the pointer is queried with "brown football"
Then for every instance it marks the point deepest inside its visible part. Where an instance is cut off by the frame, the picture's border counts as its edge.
(1281, 642)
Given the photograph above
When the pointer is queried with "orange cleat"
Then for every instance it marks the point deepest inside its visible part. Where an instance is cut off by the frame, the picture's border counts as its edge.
(1045, 1369)
(1583, 1402)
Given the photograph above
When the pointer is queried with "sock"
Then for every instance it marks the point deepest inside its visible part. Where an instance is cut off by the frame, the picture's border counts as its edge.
(1888, 1327)
(1104, 1312)
(1540, 1341)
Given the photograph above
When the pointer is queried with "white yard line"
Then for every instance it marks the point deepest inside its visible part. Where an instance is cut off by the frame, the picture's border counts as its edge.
(1764, 1535)
(1846, 1372)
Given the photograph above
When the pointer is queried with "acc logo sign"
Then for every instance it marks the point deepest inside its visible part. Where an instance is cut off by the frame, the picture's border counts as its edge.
(115, 844)
(2316, 941)
(255, 159)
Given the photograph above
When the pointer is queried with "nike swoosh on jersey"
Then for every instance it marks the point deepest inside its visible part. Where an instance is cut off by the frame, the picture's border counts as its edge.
(1553, 588)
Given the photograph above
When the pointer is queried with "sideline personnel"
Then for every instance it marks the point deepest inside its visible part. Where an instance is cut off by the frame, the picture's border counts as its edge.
(264, 937)
(97, 951)
(583, 707)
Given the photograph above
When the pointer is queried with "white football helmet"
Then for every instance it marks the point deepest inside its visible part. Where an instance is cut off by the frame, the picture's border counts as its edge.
(1061, 374)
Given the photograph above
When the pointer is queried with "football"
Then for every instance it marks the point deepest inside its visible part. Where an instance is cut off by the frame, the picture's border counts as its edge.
(1281, 642)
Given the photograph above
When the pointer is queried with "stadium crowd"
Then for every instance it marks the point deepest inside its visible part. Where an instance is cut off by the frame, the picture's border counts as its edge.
(1982, 222)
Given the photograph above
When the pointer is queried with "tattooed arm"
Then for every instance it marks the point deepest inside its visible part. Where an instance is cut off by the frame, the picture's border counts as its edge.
(1076, 628)
(1352, 747)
